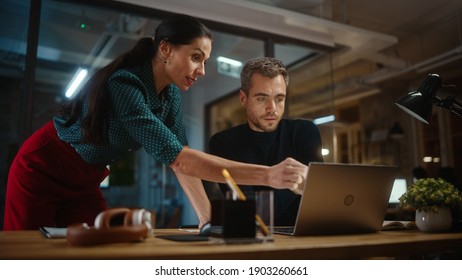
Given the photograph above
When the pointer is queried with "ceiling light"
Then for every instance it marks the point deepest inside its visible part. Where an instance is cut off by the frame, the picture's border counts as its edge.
(229, 67)
(323, 120)
(233, 62)
(427, 159)
(76, 81)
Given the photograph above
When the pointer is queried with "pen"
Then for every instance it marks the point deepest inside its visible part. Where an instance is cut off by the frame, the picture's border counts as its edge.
(237, 193)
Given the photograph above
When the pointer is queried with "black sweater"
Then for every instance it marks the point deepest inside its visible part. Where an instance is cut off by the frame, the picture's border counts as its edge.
(299, 139)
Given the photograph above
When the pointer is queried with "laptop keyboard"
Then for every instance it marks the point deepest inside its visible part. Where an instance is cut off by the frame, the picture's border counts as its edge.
(287, 230)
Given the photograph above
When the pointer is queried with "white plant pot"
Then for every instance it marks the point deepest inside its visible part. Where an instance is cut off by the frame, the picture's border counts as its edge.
(434, 222)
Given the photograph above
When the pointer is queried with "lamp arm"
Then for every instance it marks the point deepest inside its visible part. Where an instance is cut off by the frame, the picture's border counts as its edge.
(449, 103)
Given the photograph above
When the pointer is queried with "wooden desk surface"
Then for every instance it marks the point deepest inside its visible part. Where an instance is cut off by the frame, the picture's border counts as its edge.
(398, 244)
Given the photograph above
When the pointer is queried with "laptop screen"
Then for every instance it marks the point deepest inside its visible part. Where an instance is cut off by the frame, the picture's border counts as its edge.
(399, 188)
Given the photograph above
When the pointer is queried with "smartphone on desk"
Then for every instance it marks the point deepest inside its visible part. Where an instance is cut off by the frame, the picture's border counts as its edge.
(52, 232)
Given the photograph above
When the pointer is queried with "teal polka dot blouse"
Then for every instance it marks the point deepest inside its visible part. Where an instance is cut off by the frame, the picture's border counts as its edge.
(140, 118)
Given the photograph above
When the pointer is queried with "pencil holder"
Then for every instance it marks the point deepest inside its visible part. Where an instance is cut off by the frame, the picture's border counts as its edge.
(233, 218)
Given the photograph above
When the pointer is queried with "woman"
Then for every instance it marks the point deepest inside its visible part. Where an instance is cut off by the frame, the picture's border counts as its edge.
(132, 102)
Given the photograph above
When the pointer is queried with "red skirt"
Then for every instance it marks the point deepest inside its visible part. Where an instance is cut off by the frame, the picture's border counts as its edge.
(49, 184)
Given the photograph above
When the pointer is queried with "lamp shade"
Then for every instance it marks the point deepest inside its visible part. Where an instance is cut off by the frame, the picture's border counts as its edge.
(416, 105)
(419, 103)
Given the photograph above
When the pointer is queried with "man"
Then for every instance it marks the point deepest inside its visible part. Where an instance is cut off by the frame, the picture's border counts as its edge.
(266, 138)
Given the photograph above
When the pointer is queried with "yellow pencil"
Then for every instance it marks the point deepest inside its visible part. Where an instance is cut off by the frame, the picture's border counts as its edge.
(232, 184)
(237, 191)
(262, 225)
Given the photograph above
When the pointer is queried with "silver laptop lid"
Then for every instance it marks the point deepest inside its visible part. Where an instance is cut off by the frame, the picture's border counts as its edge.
(344, 198)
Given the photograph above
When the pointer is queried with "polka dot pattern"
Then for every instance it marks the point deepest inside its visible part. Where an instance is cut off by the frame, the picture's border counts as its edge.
(140, 118)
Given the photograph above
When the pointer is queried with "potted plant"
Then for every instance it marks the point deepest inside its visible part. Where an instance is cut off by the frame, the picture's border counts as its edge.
(433, 200)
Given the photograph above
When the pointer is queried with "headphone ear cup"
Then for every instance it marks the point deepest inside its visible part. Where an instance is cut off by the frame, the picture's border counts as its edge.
(82, 235)
(139, 217)
(149, 220)
(106, 218)
(134, 217)
(99, 220)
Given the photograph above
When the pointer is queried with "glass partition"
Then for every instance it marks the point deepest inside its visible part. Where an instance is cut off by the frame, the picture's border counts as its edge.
(13, 45)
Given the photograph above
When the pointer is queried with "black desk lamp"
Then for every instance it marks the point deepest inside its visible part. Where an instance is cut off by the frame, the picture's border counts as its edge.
(419, 103)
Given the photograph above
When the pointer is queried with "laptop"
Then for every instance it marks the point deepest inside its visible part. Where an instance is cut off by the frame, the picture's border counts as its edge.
(342, 199)
(399, 188)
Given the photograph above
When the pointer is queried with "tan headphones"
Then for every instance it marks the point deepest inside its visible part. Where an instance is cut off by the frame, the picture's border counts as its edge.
(113, 226)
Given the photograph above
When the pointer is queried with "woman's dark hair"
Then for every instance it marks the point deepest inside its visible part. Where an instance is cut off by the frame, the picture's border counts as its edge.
(177, 30)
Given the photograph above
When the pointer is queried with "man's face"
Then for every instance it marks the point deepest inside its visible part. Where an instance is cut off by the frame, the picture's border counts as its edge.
(264, 103)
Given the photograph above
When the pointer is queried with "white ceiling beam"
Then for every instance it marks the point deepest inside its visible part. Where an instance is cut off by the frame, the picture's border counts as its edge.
(272, 20)
(233, 13)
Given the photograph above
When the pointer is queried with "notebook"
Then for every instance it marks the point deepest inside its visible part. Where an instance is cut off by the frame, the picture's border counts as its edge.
(343, 198)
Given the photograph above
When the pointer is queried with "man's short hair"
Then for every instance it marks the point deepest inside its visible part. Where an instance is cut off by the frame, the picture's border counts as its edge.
(266, 66)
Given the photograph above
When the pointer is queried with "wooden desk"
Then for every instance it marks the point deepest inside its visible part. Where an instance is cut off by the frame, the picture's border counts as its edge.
(397, 244)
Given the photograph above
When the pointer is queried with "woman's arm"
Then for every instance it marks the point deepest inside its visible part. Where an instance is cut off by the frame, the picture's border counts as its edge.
(288, 174)
(195, 192)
